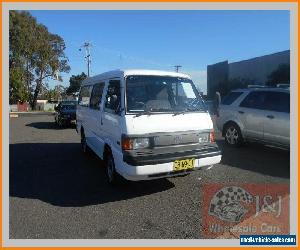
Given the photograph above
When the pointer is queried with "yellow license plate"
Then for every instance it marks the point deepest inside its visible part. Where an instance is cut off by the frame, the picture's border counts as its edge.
(184, 164)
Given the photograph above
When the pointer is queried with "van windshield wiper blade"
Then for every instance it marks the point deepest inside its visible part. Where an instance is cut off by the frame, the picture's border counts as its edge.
(148, 112)
(182, 112)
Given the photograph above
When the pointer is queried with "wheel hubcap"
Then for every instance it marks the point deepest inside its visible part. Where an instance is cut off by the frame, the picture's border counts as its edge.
(232, 135)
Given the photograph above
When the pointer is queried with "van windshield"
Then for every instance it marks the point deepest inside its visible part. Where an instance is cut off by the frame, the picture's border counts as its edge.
(162, 94)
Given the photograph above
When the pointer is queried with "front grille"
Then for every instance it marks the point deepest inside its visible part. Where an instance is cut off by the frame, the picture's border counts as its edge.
(171, 151)
(177, 139)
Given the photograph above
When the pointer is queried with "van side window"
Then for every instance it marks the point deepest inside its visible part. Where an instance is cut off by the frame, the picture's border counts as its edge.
(84, 96)
(113, 96)
(96, 96)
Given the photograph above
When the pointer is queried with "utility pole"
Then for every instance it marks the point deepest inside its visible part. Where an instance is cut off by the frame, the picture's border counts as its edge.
(87, 47)
(177, 67)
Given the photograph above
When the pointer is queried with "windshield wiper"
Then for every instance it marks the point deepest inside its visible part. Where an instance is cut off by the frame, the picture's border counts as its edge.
(146, 112)
(182, 112)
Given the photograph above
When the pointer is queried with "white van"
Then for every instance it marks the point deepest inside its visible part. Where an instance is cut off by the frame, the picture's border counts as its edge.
(145, 124)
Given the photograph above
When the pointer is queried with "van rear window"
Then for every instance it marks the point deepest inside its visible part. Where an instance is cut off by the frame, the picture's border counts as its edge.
(230, 98)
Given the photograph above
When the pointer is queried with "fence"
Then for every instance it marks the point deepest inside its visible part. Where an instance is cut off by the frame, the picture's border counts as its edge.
(24, 107)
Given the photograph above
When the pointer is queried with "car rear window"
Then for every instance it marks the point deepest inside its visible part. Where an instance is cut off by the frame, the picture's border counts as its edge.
(68, 106)
(278, 102)
(267, 100)
(254, 100)
(230, 98)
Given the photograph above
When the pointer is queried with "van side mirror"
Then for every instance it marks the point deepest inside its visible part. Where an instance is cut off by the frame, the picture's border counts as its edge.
(217, 99)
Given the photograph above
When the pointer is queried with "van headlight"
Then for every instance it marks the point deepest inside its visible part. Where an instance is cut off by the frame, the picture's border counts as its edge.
(135, 143)
(203, 138)
(140, 143)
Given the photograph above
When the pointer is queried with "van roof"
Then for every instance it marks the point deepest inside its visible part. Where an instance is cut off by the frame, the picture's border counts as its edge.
(126, 72)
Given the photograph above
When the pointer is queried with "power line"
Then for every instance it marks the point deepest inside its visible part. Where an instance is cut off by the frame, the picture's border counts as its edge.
(87, 47)
(123, 57)
(177, 67)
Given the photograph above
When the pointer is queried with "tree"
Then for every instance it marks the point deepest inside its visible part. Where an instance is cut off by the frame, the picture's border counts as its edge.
(21, 47)
(55, 94)
(59, 91)
(75, 83)
(50, 59)
(36, 53)
(280, 75)
(17, 89)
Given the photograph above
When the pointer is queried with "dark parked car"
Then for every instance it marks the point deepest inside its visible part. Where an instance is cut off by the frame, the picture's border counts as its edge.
(65, 113)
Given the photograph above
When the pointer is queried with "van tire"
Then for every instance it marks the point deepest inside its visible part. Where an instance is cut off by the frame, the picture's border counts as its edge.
(84, 147)
(233, 136)
(112, 177)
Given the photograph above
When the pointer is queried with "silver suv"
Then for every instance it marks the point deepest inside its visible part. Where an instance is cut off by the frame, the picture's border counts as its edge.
(259, 114)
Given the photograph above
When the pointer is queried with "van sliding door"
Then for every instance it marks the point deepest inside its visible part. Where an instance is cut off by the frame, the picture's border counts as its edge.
(95, 115)
(112, 114)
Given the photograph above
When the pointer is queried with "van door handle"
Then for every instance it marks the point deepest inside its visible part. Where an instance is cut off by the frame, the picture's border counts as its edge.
(270, 116)
(241, 112)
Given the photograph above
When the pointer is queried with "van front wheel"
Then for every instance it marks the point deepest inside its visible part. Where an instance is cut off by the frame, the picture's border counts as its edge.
(112, 176)
(84, 146)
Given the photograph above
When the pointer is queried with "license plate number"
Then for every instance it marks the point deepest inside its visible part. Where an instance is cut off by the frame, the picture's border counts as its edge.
(183, 164)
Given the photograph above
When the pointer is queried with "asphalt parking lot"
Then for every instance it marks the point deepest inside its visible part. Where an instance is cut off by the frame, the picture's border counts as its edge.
(57, 192)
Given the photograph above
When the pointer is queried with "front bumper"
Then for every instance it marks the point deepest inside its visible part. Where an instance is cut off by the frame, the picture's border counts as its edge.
(170, 154)
(153, 164)
(163, 170)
